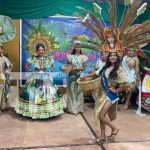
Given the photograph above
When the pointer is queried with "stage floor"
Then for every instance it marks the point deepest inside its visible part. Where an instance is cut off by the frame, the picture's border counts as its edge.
(69, 132)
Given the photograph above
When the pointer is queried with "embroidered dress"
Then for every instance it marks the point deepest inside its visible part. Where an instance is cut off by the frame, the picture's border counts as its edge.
(131, 75)
(129, 68)
(104, 94)
(39, 97)
(4, 81)
(75, 102)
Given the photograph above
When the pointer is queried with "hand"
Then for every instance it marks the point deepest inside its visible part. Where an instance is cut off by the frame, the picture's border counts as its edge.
(82, 77)
(112, 89)
(91, 71)
(78, 69)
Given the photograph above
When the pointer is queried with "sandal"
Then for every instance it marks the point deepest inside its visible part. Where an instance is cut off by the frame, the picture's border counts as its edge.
(126, 107)
(111, 138)
(100, 139)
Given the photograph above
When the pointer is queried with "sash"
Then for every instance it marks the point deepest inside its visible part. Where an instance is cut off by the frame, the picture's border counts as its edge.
(129, 72)
(112, 96)
(76, 61)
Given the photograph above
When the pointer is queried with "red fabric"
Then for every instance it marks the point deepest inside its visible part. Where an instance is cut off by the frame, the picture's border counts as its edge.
(141, 54)
(145, 94)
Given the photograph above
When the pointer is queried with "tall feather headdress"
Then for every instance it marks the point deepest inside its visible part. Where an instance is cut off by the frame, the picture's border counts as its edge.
(40, 34)
(125, 37)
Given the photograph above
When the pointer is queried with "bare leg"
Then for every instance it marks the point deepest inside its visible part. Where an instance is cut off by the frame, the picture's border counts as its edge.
(106, 121)
(102, 136)
(128, 97)
(102, 128)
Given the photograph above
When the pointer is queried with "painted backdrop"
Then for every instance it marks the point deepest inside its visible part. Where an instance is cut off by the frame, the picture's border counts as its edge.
(63, 28)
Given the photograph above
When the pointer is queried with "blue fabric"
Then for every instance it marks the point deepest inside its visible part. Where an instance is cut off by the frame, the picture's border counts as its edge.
(112, 96)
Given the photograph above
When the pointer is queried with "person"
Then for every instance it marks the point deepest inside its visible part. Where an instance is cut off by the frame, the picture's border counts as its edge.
(40, 98)
(5, 70)
(75, 102)
(100, 62)
(112, 42)
(130, 63)
(113, 80)
(98, 66)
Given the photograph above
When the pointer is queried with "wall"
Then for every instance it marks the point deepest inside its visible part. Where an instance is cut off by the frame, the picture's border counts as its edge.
(12, 48)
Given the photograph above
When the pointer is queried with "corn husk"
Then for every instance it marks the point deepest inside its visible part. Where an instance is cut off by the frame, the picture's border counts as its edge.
(87, 45)
(97, 8)
(128, 2)
(129, 17)
(113, 14)
(96, 21)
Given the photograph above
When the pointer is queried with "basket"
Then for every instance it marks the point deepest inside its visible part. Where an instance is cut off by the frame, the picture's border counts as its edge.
(90, 84)
(66, 68)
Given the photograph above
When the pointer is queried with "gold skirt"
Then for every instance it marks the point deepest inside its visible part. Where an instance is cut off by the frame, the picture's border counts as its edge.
(101, 99)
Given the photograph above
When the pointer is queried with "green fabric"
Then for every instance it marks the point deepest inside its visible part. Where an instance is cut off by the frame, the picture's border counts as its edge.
(8, 29)
(27, 9)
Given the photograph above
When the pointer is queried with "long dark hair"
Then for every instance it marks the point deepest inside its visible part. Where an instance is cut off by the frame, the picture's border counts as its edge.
(113, 73)
(74, 51)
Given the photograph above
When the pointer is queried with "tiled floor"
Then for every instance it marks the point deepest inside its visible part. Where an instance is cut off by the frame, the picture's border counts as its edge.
(69, 132)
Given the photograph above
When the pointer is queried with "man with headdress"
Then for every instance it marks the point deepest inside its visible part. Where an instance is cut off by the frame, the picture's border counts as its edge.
(112, 41)
(130, 64)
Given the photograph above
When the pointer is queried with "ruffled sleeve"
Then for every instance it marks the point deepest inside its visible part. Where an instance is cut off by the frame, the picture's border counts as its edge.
(69, 57)
(30, 60)
(97, 72)
(52, 60)
(84, 58)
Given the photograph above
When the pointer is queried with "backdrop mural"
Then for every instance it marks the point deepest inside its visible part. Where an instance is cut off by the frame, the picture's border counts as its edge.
(63, 28)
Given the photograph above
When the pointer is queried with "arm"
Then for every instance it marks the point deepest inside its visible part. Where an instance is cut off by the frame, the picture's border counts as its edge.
(27, 66)
(52, 67)
(93, 74)
(146, 69)
(123, 81)
(137, 70)
(68, 59)
(121, 88)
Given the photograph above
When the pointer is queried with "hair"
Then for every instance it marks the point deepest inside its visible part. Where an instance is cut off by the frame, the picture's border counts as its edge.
(113, 73)
(40, 45)
(74, 51)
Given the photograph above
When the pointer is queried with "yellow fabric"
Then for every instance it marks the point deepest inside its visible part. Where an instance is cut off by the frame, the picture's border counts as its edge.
(97, 71)
(148, 83)
(101, 99)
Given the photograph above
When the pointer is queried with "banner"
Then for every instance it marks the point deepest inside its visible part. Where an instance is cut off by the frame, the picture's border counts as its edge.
(63, 28)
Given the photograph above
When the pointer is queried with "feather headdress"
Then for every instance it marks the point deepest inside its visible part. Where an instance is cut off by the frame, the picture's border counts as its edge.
(40, 34)
(124, 35)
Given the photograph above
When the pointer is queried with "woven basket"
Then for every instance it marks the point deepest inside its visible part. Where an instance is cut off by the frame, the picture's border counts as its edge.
(90, 84)
(66, 68)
